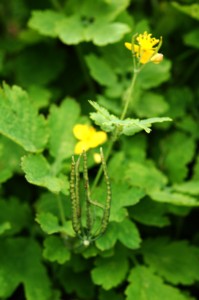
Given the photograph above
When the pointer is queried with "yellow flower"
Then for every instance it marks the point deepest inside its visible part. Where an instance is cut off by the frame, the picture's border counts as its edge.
(146, 48)
(88, 137)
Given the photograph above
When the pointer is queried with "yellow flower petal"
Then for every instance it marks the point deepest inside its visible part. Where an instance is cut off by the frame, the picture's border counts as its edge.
(97, 139)
(83, 131)
(128, 45)
(80, 147)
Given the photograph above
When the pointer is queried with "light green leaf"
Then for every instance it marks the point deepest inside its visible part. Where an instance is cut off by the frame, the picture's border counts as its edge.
(4, 227)
(110, 272)
(166, 196)
(45, 22)
(176, 261)
(128, 234)
(108, 240)
(48, 222)
(61, 122)
(100, 70)
(39, 96)
(192, 9)
(20, 263)
(20, 121)
(189, 187)
(145, 285)
(38, 171)
(55, 250)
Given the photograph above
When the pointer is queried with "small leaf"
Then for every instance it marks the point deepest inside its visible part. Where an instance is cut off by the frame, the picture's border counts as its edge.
(128, 234)
(55, 250)
(48, 222)
(191, 38)
(20, 121)
(189, 187)
(145, 285)
(176, 261)
(4, 227)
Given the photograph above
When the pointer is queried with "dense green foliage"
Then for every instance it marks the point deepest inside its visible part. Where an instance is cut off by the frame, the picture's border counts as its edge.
(54, 57)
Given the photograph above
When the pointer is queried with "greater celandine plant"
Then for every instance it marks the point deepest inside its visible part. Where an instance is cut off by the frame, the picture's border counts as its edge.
(144, 50)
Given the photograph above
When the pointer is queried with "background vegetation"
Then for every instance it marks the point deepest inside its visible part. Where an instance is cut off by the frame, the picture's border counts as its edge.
(54, 57)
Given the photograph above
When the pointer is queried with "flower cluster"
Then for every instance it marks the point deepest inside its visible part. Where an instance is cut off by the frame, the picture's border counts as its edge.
(88, 137)
(146, 48)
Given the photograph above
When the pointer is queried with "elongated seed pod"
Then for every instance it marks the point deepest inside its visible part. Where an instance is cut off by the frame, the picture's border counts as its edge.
(74, 200)
(107, 207)
(87, 195)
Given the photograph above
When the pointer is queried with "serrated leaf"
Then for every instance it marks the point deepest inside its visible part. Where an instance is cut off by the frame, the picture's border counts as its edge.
(61, 122)
(100, 70)
(38, 171)
(20, 121)
(110, 272)
(145, 285)
(22, 258)
(166, 196)
(55, 250)
(48, 222)
(45, 22)
(176, 261)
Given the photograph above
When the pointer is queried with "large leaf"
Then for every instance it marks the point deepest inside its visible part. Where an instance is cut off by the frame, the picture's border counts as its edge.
(145, 285)
(176, 261)
(55, 250)
(20, 262)
(61, 122)
(20, 121)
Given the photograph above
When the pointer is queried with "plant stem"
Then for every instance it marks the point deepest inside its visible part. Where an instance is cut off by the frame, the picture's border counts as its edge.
(61, 209)
(127, 99)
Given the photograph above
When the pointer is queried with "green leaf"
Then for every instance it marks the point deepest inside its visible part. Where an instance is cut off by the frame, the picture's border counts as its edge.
(191, 38)
(55, 250)
(190, 187)
(110, 272)
(17, 221)
(145, 175)
(20, 262)
(108, 240)
(20, 121)
(153, 75)
(192, 9)
(39, 172)
(104, 295)
(45, 22)
(166, 196)
(4, 227)
(61, 122)
(39, 96)
(48, 222)
(128, 234)
(10, 155)
(150, 213)
(100, 70)
(151, 104)
(176, 261)
(145, 285)
(175, 160)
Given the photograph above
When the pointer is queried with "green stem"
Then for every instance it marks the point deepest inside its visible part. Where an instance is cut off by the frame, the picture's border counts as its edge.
(127, 99)
(61, 210)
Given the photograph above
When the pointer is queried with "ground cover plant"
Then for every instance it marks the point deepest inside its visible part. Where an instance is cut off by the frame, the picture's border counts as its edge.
(99, 164)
